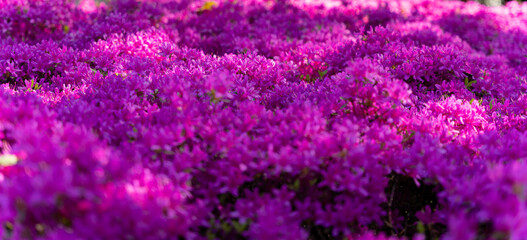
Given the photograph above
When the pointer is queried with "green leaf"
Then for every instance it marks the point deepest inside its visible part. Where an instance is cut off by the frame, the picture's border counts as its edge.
(226, 227)
(312, 182)
(240, 227)
(491, 104)
(210, 235)
(8, 230)
(207, 6)
(421, 227)
(322, 73)
(296, 185)
(468, 83)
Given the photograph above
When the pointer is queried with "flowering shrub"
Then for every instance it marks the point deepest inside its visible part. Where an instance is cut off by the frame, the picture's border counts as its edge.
(259, 119)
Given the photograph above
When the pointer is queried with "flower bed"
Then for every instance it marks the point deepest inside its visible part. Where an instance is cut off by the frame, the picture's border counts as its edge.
(262, 119)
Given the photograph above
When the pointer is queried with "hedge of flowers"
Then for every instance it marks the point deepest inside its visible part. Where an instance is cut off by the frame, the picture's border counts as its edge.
(261, 119)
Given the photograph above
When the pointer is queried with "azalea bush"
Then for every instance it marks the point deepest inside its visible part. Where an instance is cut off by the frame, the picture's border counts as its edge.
(261, 119)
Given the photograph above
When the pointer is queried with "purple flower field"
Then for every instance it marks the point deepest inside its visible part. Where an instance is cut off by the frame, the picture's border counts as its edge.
(263, 119)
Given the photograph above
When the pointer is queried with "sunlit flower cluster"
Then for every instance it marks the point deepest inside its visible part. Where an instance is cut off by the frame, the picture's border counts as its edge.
(262, 119)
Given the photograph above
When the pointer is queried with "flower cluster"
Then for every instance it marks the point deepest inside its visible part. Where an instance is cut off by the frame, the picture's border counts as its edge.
(259, 119)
